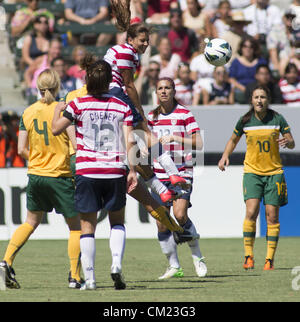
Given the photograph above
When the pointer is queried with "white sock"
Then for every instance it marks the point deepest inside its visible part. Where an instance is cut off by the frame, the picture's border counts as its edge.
(117, 244)
(194, 244)
(169, 248)
(88, 253)
(155, 185)
(168, 164)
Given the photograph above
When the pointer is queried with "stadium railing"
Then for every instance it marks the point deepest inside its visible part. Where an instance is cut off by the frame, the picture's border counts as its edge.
(78, 29)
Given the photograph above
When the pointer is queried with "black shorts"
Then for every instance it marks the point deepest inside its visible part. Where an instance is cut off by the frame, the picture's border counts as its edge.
(92, 195)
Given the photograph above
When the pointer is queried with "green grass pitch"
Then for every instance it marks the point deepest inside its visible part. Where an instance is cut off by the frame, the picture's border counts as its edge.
(42, 269)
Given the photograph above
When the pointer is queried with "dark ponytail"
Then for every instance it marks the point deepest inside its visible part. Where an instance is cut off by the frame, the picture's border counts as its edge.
(98, 75)
(121, 11)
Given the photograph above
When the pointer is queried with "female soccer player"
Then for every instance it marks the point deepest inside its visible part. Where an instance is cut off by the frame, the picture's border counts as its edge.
(263, 173)
(177, 129)
(50, 182)
(140, 193)
(103, 123)
(124, 60)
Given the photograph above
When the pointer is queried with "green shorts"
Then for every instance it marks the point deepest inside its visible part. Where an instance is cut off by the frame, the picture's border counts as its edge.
(48, 193)
(271, 188)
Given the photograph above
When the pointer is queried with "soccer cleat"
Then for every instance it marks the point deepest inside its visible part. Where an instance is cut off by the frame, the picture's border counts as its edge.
(169, 195)
(268, 265)
(10, 279)
(172, 272)
(184, 237)
(179, 181)
(88, 285)
(200, 266)
(117, 277)
(249, 262)
(73, 283)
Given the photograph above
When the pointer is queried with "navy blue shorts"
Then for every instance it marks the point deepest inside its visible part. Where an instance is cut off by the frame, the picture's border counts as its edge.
(92, 195)
(119, 93)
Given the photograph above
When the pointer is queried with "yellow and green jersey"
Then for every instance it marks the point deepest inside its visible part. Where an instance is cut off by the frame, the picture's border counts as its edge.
(262, 155)
(82, 91)
(48, 154)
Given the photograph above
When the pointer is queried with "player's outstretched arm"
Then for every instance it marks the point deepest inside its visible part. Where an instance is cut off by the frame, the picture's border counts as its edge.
(229, 148)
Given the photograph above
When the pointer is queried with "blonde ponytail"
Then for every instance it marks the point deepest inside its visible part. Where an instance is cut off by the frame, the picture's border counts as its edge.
(48, 83)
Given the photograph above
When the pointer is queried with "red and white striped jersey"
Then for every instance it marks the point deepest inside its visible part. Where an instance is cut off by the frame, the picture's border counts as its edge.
(101, 151)
(179, 122)
(121, 57)
(290, 92)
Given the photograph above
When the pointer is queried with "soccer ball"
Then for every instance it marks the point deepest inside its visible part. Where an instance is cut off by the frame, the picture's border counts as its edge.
(217, 51)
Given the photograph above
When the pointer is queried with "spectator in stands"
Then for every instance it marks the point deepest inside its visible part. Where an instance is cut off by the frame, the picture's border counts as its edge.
(37, 42)
(22, 21)
(236, 33)
(197, 92)
(219, 91)
(13, 159)
(290, 85)
(146, 83)
(183, 40)
(158, 11)
(88, 12)
(201, 70)
(263, 77)
(75, 70)
(210, 6)
(295, 7)
(240, 4)
(264, 17)
(219, 23)
(184, 85)
(40, 64)
(67, 83)
(194, 18)
(279, 42)
(168, 61)
(9, 128)
(293, 57)
(242, 69)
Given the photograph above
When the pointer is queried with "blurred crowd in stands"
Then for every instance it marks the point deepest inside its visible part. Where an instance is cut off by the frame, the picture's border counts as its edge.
(265, 43)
